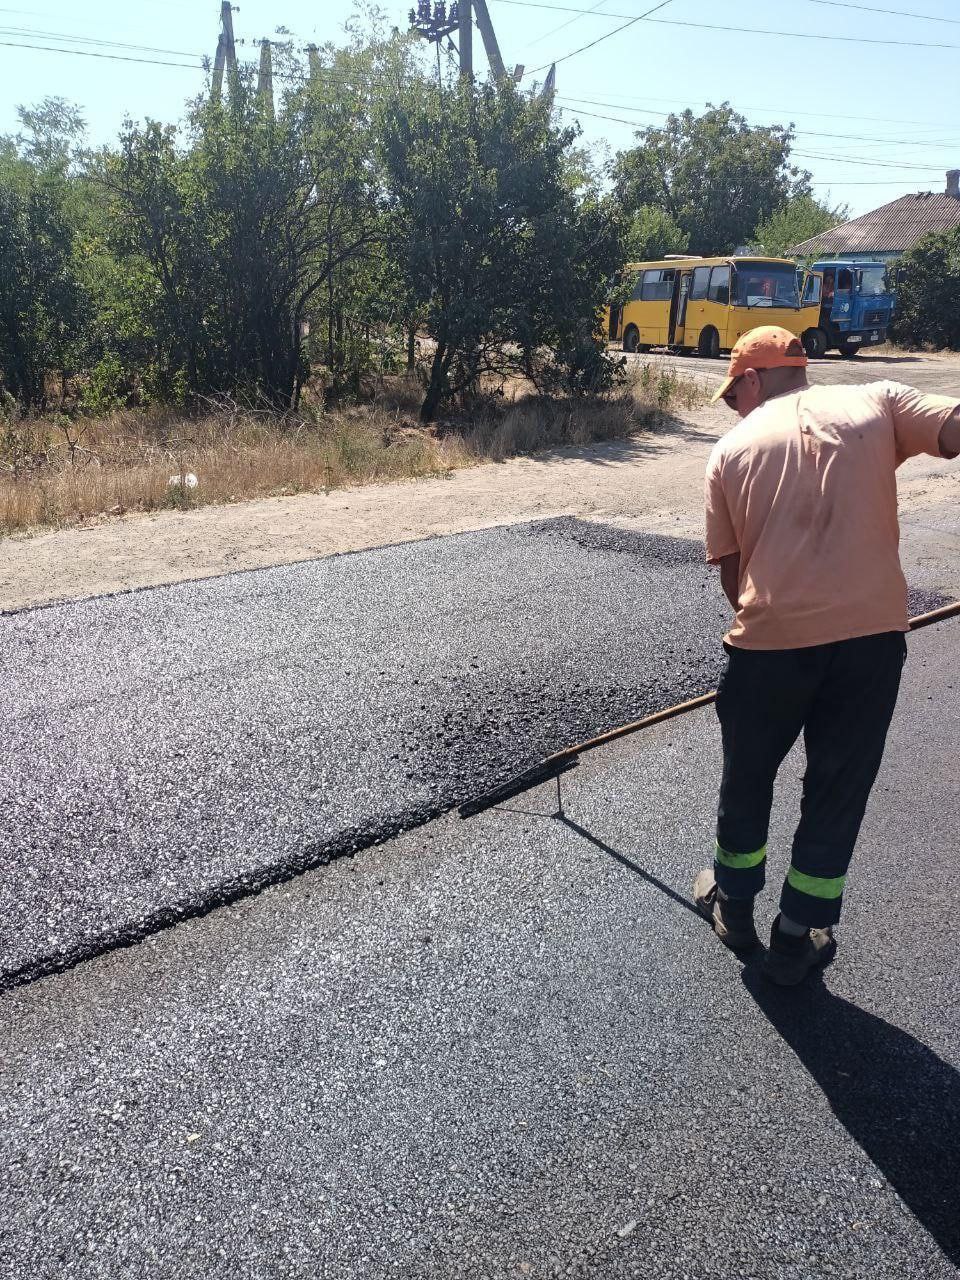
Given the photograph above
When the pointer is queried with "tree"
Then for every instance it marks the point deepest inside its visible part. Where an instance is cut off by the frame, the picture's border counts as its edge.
(800, 218)
(239, 234)
(928, 293)
(652, 233)
(715, 175)
(43, 307)
(505, 258)
(53, 132)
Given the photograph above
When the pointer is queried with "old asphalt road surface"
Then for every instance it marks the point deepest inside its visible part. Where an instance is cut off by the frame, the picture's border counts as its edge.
(508, 1047)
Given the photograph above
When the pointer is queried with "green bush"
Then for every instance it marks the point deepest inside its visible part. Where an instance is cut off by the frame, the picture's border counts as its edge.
(928, 294)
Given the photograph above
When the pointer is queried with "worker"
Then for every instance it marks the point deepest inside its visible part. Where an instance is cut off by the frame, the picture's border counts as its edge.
(801, 518)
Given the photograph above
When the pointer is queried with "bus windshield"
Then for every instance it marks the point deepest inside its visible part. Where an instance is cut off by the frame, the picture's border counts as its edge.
(873, 281)
(766, 284)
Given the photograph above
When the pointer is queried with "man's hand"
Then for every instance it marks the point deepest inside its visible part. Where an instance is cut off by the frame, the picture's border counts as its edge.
(950, 436)
(730, 578)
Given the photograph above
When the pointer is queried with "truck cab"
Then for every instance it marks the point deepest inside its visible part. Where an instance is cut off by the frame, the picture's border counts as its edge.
(855, 307)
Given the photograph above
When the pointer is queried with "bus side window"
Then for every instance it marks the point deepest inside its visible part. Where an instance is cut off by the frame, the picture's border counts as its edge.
(658, 285)
(637, 287)
(720, 285)
(701, 284)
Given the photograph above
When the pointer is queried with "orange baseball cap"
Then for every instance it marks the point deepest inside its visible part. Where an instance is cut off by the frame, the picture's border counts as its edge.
(768, 347)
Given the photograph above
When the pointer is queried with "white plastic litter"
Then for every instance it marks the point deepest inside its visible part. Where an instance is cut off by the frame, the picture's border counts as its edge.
(187, 480)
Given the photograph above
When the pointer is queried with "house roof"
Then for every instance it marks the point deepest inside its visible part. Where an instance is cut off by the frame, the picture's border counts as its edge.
(893, 228)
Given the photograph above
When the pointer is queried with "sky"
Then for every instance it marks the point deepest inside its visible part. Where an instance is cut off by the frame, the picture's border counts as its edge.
(871, 86)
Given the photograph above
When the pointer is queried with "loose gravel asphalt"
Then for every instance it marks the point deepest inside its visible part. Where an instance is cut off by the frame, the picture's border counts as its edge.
(165, 750)
(506, 1047)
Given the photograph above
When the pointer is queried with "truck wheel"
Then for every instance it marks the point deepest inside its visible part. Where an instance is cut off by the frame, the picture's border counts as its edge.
(631, 338)
(709, 344)
(849, 350)
(814, 343)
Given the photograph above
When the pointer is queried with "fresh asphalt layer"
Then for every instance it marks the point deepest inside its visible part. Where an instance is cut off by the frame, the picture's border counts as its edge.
(509, 1047)
(165, 751)
(168, 749)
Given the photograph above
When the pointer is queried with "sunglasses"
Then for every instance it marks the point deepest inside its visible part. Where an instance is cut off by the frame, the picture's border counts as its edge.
(729, 397)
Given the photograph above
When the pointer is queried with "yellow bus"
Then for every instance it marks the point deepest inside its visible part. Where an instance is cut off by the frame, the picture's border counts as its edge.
(706, 304)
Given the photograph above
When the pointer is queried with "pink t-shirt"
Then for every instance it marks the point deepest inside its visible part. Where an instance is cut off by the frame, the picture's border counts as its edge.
(805, 489)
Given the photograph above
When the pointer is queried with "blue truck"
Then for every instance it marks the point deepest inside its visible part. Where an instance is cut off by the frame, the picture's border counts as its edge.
(855, 306)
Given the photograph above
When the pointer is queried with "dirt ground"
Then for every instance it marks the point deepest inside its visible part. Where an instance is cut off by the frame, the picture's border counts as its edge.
(652, 482)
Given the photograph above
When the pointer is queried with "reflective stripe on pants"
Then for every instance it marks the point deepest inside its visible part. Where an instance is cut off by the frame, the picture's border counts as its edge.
(841, 697)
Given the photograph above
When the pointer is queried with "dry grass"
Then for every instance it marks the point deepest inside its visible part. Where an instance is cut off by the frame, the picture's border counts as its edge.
(55, 472)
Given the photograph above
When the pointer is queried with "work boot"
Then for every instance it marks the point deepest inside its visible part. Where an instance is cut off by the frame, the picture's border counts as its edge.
(732, 918)
(790, 958)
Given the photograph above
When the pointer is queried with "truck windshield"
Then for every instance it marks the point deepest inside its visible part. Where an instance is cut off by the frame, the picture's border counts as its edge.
(873, 281)
(765, 284)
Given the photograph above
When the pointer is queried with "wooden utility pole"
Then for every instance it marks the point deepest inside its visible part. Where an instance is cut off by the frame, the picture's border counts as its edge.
(465, 18)
(226, 55)
(265, 79)
(490, 41)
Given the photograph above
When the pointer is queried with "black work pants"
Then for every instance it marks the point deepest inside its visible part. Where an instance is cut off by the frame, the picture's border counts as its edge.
(842, 697)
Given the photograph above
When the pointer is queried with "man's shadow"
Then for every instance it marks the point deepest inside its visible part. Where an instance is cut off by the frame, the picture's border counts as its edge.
(893, 1095)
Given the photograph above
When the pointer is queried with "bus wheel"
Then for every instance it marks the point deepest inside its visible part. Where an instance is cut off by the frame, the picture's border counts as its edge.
(709, 344)
(814, 343)
(849, 350)
(631, 338)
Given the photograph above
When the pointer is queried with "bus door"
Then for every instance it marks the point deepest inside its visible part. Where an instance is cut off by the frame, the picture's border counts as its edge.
(696, 305)
(678, 308)
(616, 319)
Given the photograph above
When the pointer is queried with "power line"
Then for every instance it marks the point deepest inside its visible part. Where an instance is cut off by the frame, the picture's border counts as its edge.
(894, 13)
(872, 182)
(872, 164)
(89, 53)
(829, 115)
(583, 48)
(905, 165)
(800, 35)
(709, 26)
(569, 23)
(110, 44)
(804, 133)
